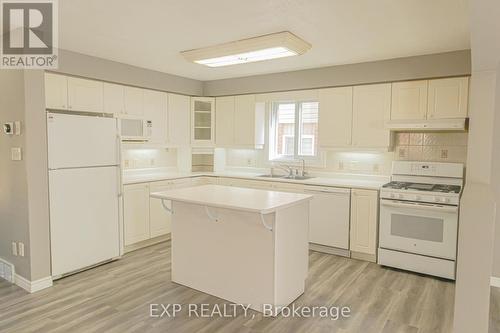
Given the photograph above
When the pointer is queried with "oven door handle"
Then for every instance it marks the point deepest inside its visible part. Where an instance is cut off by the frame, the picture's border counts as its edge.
(399, 204)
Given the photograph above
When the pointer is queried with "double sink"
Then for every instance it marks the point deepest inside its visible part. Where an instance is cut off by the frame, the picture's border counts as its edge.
(294, 177)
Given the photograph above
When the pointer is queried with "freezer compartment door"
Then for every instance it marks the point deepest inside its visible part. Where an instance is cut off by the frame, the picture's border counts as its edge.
(81, 141)
(84, 222)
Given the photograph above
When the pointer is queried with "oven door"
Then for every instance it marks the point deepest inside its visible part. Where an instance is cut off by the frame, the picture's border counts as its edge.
(420, 228)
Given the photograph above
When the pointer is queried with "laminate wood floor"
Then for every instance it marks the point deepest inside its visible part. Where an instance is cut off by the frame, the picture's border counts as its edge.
(494, 326)
(116, 298)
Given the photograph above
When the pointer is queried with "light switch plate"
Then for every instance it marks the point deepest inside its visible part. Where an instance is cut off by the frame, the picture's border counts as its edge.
(20, 251)
(17, 128)
(16, 154)
(14, 248)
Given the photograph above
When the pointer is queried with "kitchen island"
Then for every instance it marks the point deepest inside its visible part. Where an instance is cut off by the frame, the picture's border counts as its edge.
(246, 246)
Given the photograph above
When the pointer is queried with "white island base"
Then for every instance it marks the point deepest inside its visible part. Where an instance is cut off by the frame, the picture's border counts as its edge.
(243, 245)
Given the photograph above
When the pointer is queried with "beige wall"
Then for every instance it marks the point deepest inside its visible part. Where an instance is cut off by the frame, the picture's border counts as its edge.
(37, 175)
(24, 209)
(87, 66)
(14, 218)
(478, 207)
(437, 65)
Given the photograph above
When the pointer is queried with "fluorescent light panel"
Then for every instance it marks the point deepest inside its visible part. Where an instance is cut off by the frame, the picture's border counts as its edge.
(273, 46)
(265, 54)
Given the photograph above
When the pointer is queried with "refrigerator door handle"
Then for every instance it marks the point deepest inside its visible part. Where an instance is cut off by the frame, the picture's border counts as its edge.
(119, 165)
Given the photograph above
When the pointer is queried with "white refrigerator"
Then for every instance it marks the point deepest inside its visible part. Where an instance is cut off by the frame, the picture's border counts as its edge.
(84, 190)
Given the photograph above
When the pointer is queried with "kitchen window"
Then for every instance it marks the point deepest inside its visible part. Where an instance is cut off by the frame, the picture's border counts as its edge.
(294, 130)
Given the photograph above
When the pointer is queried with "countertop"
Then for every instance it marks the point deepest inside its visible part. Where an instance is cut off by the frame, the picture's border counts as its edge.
(346, 181)
(244, 199)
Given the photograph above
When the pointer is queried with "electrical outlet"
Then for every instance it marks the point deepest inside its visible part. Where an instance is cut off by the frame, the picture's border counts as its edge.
(341, 165)
(402, 152)
(444, 153)
(152, 162)
(16, 154)
(14, 248)
(20, 249)
(376, 167)
(249, 162)
(354, 165)
(126, 163)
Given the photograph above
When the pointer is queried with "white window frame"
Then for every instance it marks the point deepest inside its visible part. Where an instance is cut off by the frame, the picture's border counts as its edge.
(316, 160)
(309, 136)
(285, 136)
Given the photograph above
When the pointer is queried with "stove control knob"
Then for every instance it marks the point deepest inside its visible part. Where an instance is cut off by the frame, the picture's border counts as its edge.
(418, 197)
(437, 199)
(401, 196)
(393, 195)
(447, 200)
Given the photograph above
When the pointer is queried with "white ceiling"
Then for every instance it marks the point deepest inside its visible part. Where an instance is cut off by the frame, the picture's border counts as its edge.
(151, 33)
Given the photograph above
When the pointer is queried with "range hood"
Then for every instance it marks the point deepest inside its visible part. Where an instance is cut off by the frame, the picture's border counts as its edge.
(455, 124)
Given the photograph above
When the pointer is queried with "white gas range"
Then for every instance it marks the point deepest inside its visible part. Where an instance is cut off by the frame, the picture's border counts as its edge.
(419, 217)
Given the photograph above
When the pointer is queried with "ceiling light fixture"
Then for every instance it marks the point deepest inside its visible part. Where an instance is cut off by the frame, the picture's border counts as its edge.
(272, 46)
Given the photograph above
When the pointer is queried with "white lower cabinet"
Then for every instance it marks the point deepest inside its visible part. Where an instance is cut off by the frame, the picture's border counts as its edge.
(136, 213)
(144, 217)
(364, 217)
(329, 216)
(159, 219)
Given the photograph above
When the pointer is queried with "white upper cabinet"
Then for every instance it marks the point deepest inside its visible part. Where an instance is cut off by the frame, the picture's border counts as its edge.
(224, 124)
(114, 98)
(335, 117)
(85, 95)
(178, 120)
(133, 101)
(155, 110)
(430, 99)
(248, 122)
(409, 100)
(56, 91)
(448, 98)
(239, 122)
(371, 110)
(202, 121)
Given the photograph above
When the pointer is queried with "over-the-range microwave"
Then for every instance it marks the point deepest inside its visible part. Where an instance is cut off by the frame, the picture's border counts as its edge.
(135, 129)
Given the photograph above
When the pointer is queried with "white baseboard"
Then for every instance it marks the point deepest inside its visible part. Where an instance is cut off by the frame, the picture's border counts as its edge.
(33, 286)
(495, 281)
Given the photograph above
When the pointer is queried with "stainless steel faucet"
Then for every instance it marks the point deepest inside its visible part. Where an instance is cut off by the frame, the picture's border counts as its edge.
(303, 171)
(286, 168)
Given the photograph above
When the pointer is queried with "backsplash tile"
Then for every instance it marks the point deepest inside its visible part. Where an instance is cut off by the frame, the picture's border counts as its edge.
(416, 139)
(431, 146)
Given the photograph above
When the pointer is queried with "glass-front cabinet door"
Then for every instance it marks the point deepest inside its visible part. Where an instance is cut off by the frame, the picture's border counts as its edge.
(202, 121)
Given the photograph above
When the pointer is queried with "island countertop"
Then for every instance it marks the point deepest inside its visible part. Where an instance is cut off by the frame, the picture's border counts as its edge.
(244, 199)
